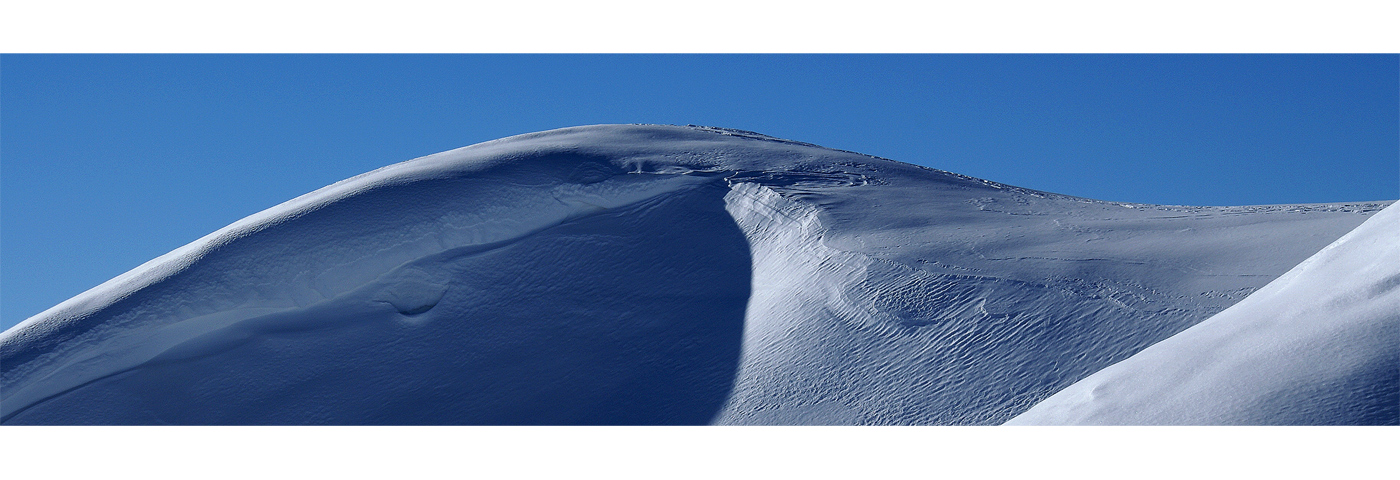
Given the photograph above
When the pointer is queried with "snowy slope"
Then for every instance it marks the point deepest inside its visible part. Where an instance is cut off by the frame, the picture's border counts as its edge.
(1316, 346)
(642, 274)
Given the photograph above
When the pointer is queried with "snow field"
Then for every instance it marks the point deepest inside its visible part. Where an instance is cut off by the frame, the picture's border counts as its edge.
(644, 274)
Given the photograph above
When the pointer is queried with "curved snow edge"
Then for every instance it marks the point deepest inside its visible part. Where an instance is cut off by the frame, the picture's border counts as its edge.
(1316, 346)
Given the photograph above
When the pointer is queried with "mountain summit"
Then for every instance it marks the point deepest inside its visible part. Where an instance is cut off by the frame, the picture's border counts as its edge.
(646, 274)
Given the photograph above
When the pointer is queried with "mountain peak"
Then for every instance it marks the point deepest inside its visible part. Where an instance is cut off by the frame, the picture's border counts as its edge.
(645, 274)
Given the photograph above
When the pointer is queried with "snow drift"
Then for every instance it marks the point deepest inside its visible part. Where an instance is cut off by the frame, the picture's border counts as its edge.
(1316, 346)
(643, 274)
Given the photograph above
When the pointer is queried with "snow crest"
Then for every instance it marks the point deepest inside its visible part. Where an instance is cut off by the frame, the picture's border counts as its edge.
(645, 274)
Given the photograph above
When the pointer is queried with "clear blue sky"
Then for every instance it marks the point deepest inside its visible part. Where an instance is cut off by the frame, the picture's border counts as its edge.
(109, 161)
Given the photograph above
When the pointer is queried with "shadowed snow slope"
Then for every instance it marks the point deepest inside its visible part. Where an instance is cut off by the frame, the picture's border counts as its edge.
(644, 274)
(1316, 346)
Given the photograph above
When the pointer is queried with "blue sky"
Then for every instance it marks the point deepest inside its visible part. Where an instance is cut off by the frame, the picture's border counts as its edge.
(107, 161)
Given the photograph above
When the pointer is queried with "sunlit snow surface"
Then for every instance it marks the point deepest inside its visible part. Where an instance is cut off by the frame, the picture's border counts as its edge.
(1319, 345)
(659, 275)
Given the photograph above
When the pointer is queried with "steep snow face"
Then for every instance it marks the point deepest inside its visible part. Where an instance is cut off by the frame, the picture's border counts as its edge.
(484, 286)
(1315, 346)
(646, 275)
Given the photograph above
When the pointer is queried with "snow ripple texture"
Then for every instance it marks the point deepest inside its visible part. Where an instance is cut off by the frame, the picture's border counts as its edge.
(1317, 346)
(645, 274)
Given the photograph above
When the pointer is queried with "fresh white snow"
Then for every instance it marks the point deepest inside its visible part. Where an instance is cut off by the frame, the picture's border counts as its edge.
(645, 274)
(1316, 346)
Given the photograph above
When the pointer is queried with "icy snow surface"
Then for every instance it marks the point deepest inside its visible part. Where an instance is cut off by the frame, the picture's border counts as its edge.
(1316, 346)
(643, 274)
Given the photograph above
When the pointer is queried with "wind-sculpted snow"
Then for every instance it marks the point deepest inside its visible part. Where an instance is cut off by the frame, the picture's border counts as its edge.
(646, 275)
(1316, 346)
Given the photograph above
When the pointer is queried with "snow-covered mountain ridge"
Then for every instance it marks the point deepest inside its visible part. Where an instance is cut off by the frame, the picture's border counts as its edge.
(643, 274)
